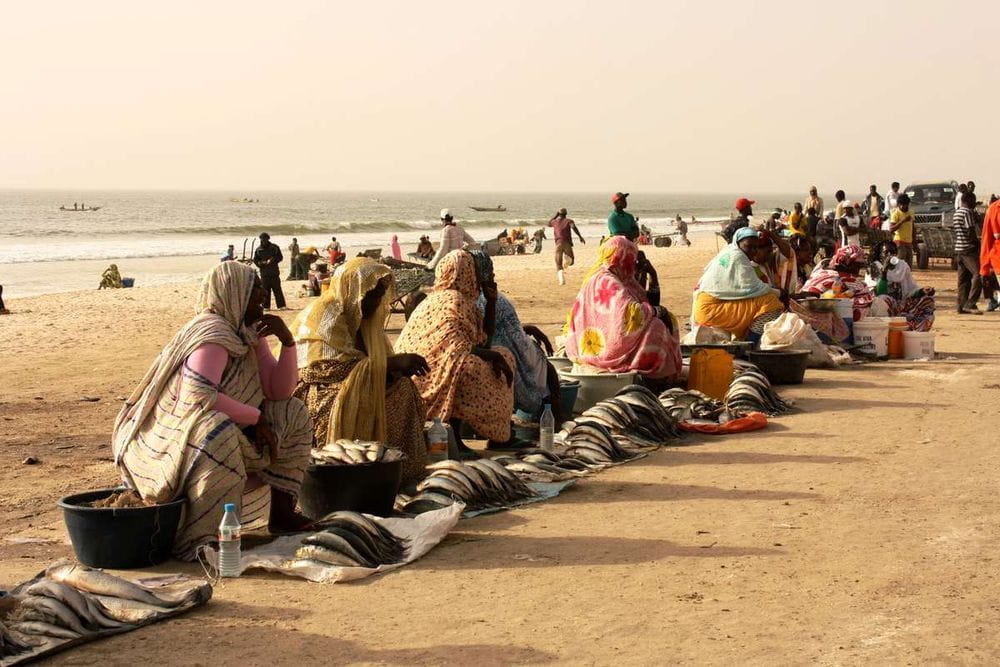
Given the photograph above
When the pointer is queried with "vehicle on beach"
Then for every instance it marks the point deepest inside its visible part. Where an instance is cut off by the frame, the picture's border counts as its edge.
(80, 210)
(933, 205)
(500, 208)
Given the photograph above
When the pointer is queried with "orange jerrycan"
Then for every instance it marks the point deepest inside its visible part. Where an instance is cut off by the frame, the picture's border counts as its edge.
(711, 372)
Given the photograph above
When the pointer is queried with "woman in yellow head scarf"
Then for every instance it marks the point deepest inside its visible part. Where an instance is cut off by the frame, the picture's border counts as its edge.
(353, 385)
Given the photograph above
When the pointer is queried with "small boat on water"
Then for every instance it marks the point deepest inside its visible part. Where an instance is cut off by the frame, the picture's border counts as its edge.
(76, 210)
(500, 208)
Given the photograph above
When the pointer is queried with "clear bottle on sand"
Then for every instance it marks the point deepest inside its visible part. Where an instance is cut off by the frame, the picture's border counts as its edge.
(230, 542)
(546, 429)
(437, 441)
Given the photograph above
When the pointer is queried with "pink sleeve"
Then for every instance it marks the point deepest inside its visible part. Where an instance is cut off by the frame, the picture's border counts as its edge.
(277, 377)
(210, 362)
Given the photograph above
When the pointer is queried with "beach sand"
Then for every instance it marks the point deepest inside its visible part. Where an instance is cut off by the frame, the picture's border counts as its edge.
(861, 528)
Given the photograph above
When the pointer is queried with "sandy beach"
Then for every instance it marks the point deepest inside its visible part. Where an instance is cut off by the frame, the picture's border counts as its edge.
(860, 528)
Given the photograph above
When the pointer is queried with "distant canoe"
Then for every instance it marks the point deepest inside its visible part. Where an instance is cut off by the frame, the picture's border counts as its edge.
(80, 210)
(490, 209)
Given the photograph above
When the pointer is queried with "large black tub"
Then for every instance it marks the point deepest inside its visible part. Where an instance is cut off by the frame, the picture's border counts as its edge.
(120, 539)
(363, 487)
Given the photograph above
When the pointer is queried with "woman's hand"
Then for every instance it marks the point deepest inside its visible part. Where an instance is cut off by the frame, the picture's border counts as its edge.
(496, 360)
(407, 365)
(539, 337)
(272, 325)
(264, 436)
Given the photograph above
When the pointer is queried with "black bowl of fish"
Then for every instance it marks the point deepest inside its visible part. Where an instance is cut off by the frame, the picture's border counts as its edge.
(369, 488)
(781, 366)
(120, 537)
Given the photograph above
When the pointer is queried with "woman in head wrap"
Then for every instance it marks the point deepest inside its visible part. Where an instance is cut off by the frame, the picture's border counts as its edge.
(353, 385)
(613, 327)
(111, 279)
(892, 280)
(731, 294)
(535, 380)
(213, 420)
(843, 274)
(397, 252)
(467, 381)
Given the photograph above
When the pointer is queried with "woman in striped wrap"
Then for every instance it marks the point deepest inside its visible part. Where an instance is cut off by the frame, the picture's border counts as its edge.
(213, 421)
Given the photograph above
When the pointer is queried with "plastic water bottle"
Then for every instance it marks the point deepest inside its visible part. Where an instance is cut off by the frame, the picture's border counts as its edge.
(546, 429)
(437, 442)
(230, 543)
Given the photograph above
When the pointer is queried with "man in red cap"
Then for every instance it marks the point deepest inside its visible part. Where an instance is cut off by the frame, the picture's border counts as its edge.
(744, 207)
(621, 222)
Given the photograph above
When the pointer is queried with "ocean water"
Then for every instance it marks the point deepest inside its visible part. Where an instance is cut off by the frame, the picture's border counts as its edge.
(168, 224)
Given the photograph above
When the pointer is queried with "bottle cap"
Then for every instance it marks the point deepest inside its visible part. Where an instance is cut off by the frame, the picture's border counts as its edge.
(229, 507)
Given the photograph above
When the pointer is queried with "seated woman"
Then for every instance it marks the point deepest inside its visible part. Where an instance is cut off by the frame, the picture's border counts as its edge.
(893, 283)
(111, 279)
(353, 385)
(731, 295)
(777, 263)
(613, 327)
(213, 418)
(843, 272)
(535, 380)
(467, 382)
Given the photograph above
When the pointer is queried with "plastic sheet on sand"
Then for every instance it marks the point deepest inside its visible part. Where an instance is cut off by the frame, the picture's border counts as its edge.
(423, 531)
(543, 491)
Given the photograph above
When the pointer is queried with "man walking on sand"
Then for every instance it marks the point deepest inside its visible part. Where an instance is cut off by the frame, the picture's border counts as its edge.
(267, 257)
(682, 230)
(901, 225)
(453, 237)
(814, 201)
(621, 222)
(892, 199)
(744, 208)
(562, 233)
(963, 226)
(873, 208)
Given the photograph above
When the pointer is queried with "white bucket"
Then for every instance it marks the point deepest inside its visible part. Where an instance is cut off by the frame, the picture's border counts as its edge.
(918, 344)
(874, 335)
(844, 308)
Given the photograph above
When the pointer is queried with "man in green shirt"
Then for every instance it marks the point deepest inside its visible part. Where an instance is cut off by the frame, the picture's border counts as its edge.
(621, 222)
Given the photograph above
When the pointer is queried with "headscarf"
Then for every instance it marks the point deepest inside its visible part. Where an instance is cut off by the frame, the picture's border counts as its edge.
(220, 309)
(612, 326)
(327, 330)
(443, 329)
(848, 255)
(730, 275)
(397, 252)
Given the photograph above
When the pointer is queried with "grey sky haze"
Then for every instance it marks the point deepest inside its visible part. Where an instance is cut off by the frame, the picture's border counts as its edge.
(558, 95)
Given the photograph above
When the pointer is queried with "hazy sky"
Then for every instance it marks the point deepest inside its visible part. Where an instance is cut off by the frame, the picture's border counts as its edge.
(473, 95)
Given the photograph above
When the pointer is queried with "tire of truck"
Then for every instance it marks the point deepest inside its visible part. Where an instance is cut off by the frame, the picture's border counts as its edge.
(923, 258)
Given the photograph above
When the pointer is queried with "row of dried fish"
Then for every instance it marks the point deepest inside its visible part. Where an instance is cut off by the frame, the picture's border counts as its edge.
(592, 442)
(478, 484)
(352, 452)
(751, 391)
(350, 539)
(634, 415)
(73, 601)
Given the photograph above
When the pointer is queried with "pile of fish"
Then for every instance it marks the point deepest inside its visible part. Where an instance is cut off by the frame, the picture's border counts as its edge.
(351, 452)
(690, 404)
(11, 645)
(73, 601)
(592, 442)
(751, 391)
(634, 416)
(479, 484)
(538, 465)
(350, 539)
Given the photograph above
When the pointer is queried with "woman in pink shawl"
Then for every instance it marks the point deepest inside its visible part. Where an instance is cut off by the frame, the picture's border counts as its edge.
(397, 252)
(613, 327)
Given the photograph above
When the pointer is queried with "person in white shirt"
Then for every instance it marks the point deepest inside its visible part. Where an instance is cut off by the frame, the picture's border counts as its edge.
(850, 227)
(892, 199)
(962, 189)
(453, 237)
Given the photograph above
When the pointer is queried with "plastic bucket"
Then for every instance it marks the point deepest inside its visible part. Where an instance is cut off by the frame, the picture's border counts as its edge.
(918, 344)
(363, 487)
(128, 282)
(897, 325)
(873, 335)
(711, 372)
(568, 391)
(124, 538)
(595, 387)
(781, 367)
(561, 363)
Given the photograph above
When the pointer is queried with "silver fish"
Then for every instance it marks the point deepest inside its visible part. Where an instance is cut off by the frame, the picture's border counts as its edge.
(59, 613)
(101, 583)
(330, 556)
(44, 629)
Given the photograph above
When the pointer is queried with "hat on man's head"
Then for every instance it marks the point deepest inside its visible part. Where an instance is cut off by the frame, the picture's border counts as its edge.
(618, 196)
(743, 202)
(264, 236)
(744, 233)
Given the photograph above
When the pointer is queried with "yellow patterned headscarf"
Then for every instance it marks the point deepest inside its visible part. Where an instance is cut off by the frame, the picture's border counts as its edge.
(327, 330)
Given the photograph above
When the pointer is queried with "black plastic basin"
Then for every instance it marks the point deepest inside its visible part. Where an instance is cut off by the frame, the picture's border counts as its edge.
(781, 367)
(120, 539)
(363, 487)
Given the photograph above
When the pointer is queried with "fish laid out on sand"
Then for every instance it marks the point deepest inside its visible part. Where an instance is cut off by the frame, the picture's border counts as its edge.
(353, 452)
(10, 645)
(751, 391)
(478, 484)
(350, 539)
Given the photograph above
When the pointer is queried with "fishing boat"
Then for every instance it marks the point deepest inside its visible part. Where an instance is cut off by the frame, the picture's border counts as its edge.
(492, 209)
(78, 210)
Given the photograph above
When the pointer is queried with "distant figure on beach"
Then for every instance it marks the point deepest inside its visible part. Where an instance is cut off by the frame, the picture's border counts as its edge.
(841, 198)
(814, 201)
(562, 233)
(892, 199)
(812, 224)
(797, 221)
(621, 222)
(682, 229)
(293, 249)
(968, 254)
(301, 264)
(538, 236)
(453, 237)
(744, 209)
(229, 255)
(425, 249)
(267, 257)
(901, 222)
(3, 309)
(74, 206)
(850, 226)
(335, 253)
(962, 189)
(397, 252)
(111, 279)
(873, 208)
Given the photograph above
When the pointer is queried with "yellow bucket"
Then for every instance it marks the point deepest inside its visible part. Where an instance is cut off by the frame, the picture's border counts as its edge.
(711, 372)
